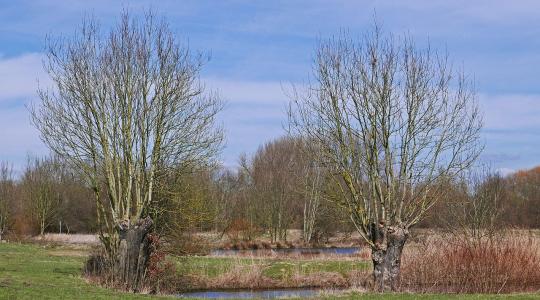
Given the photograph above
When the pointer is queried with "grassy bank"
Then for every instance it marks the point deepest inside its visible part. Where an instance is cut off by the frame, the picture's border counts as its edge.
(34, 272)
(279, 269)
(37, 272)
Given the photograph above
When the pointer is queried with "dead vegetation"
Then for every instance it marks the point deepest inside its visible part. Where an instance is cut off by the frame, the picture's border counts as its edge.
(505, 263)
(253, 277)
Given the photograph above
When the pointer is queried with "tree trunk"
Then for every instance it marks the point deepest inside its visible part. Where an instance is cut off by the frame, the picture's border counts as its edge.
(133, 254)
(41, 229)
(386, 255)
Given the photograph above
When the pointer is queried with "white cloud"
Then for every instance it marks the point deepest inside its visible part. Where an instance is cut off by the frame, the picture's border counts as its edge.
(511, 111)
(17, 137)
(262, 92)
(254, 114)
(505, 171)
(19, 76)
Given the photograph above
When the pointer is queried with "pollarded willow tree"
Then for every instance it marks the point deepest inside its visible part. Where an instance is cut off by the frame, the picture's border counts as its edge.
(391, 120)
(125, 106)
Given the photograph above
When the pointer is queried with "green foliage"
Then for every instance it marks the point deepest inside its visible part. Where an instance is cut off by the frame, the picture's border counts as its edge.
(184, 202)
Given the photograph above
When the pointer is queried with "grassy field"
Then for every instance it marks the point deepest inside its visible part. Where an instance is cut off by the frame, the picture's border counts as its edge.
(37, 272)
(33, 272)
(272, 268)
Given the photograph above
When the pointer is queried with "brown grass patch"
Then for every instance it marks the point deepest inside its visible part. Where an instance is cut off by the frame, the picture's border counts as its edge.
(503, 264)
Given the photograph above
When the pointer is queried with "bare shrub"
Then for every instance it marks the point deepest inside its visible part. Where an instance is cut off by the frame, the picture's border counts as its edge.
(240, 230)
(187, 243)
(504, 264)
(97, 270)
(251, 277)
(321, 279)
(161, 276)
(96, 265)
(360, 279)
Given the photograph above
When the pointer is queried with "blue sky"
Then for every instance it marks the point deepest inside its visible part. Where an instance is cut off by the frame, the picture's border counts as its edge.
(258, 47)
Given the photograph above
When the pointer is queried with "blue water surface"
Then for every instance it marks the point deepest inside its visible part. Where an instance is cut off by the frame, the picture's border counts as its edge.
(252, 294)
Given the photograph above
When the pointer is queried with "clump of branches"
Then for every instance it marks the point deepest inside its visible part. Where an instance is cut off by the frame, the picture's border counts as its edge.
(475, 215)
(392, 120)
(126, 106)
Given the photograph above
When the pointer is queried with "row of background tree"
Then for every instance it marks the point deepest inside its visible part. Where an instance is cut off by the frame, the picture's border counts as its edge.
(274, 189)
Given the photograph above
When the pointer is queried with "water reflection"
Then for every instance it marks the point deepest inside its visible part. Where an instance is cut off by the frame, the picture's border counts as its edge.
(252, 294)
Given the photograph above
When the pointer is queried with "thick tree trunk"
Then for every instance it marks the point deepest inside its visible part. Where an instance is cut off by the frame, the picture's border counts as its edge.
(133, 254)
(386, 255)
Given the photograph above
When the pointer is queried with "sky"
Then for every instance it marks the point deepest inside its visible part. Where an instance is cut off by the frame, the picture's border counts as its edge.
(259, 48)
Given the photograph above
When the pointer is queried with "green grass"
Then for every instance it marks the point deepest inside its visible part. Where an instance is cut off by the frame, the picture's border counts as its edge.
(34, 272)
(431, 296)
(284, 269)
(273, 268)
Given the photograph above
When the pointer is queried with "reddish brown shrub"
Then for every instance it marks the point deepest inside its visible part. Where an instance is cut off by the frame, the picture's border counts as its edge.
(250, 277)
(187, 243)
(240, 229)
(321, 279)
(162, 276)
(497, 265)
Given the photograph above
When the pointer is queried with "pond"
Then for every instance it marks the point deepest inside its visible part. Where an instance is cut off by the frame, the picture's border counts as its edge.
(302, 251)
(252, 294)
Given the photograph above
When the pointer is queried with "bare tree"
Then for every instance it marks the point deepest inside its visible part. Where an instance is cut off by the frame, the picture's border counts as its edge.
(392, 120)
(312, 199)
(272, 171)
(40, 181)
(125, 107)
(476, 215)
(7, 189)
(309, 176)
(240, 210)
(522, 205)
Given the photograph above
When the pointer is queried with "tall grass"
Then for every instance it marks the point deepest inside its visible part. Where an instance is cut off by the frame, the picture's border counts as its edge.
(502, 264)
(259, 273)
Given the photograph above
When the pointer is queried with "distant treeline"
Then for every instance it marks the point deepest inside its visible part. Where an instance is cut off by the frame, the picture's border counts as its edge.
(272, 190)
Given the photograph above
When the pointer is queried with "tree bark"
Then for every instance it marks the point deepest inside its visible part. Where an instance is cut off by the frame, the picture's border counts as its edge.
(386, 255)
(133, 253)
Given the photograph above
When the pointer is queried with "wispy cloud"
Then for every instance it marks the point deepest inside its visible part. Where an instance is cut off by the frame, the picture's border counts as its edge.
(257, 46)
(19, 76)
(254, 114)
(513, 112)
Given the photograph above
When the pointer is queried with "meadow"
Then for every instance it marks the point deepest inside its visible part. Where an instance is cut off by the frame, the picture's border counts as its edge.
(54, 271)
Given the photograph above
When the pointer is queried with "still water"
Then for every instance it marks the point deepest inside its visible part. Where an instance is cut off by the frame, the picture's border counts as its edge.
(252, 294)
